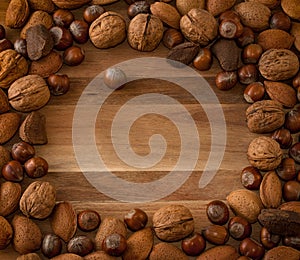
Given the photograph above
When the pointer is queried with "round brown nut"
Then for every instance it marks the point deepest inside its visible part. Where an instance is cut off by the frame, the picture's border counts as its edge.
(88, 220)
(108, 30)
(80, 31)
(251, 178)
(92, 12)
(267, 239)
(22, 151)
(63, 17)
(58, 84)
(226, 80)
(136, 219)
(172, 38)
(291, 190)
(255, 91)
(13, 171)
(287, 169)
(138, 7)
(239, 228)
(73, 56)
(251, 248)
(203, 60)
(51, 245)
(80, 245)
(216, 234)
(114, 244)
(193, 245)
(36, 167)
(283, 137)
(217, 212)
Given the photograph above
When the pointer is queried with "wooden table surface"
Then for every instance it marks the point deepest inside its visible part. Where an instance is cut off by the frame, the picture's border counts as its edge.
(65, 174)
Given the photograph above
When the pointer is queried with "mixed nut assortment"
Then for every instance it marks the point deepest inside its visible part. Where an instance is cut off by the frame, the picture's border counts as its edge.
(256, 43)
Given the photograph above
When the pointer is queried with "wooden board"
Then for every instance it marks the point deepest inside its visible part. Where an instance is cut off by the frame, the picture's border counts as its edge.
(71, 184)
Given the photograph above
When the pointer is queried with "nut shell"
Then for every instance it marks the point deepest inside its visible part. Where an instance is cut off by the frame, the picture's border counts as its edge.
(275, 39)
(17, 13)
(9, 123)
(227, 252)
(184, 6)
(216, 7)
(282, 252)
(270, 191)
(166, 251)
(10, 194)
(6, 233)
(291, 8)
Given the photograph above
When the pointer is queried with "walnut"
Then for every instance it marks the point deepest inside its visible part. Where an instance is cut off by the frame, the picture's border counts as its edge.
(264, 153)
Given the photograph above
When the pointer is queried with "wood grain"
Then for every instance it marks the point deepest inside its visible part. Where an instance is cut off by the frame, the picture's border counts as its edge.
(65, 174)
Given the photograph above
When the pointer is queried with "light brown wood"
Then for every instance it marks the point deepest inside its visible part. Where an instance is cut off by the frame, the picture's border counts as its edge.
(67, 177)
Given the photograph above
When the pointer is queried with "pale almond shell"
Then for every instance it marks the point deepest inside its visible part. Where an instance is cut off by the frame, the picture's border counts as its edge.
(184, 6)
(4, 104)
(6, 233)
(74, 4)
(291, 8)
(10, 194)
(227, 252)
(9, 123)
(291, 206)
(282, 252)
(216, 7)
(166, 251)
(275, 38)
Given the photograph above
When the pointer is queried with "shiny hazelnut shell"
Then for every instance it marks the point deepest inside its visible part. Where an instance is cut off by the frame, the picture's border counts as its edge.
(136, 219)
(251, 248)
(22, 151)
(267, 239)
(80, 31)
(92, 12)
(287, 169)
(63, 17)
(114, 244)
(239, 228)
(251, 178)
(73, 56)
(88, 220)
(226, 80)
(193, 245)
(255, 91)
(58, 84)
(51, 245)
(36, 167)
(203, 60)
(291, 190)
(13, 171)
(217, 212)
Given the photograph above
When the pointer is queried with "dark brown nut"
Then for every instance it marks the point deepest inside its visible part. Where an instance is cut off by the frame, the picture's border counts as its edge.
(230, 29)
(217, 212)
(203, 60)
(226, 80)
(36, 167)
(88, 220)
(172, 38)
(138, 7)
(62, 37)
(2, 32)
(283, 137)
(114, 244)
(13, 171)
(145, 31)
(291, 190)
(22, 151)
(62, 17)
(251, 53)
(292, 241)
(229, 15)
(254, 92)
(216, 234)
(80, 245)
(92, 12)
(294, 152)
(5, 44)
(239, 228)
(193, 245)
(73, 56)
(80, 31)
(280, 20)
(292, 120)
(287, 169)
(251, 178)
(183, 53)
(20, 46)
(247, 37)
(296, 81)
(267, 239)
(251, 248)
(248, 74)
(136, 219)
(51, 245)
(108, 30)
(58, 84)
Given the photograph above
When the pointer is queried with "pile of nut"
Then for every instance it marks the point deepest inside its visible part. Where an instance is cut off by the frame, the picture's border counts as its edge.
(257, 44)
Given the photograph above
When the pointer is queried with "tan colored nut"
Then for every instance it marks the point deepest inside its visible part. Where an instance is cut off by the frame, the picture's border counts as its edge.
(270, 191)
(166, 251)
(67, 4)
(45, 5)
(4, 104)
(245, 203)
(99, 255)
(12, 66)
(4, 156)
(282, 252)
(30, 256)
(295, 31)
(291, 8)
(268, 3)
(227, 252)
(184, 6)
(10, 194)
(216, 7)
(103, 2)
(9, 124)
(17, 13)
(29, 93)
(6, 233)
(38, 200)
(291, 206)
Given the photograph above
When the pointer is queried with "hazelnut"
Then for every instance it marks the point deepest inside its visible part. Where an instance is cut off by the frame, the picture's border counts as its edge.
(5, 44)
(22, 151)
(51, 245)
(136, 219)
(92, 12)
(58, 84)
(203, 60)
(239, 228)
(114, 244)
(88, 220)
(296, 81)
(114, 78)
(226, 80)
(251, 53)
(292, 120)
(20, 46)
(80, 31)
(229, 15)
(251, 248)
(217, 212)
(294, 152)
(248, 74)
(13, 171)
(287, 169)
(193, 245)
(216, 234)
(291, 191)
(36, 167)
(251, 178)
(280, 20)
(283, 137)
(80, 245)
(62, 38)
(73, 56)
(230, 29)
(63, 17)
(138, 7)
(2, 32)
(247, 37)
(172, 38)
(255, 91)
(292, 241)
(267, 239)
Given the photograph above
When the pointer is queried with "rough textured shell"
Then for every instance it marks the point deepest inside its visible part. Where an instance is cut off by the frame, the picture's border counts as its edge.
(173, 222)
(216, 7)
(199, 26)
(278, 64)
(68, 256)
(4, 156)
(4, 104)
(166, 251)
(265, 116)
(9, 124)
(295, 31)
(10, 194)
(268, 3)
(291, 206)
(67, 4)
(227, 252)
(254, 15)
(282, 252)
(275, 39)
(28, 93)
(145, 32)
(38, 200)
(17, 13)
(12, 66)
(45, 5)
(30, 256)
(291, 8)
(184, 6)
(6, 233)
(264, 153)
(108, 30)
(245, 203)
(99, 255)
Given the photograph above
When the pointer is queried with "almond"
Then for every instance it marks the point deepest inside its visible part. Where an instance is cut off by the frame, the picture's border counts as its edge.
(17, 13)
(282, 93)
(4, 104)
(10, 194)
(225, 252)
(74, 4)
(270, 191)
(295, 31)
(4, 156)
(166, 251)
(275, 38)
(99, 255)
(9, 123)
(139, 245)
(64, 220)
(291, 8)
(30, 256)
(6, 233)
(27, 235)
(282, 252)
(268, 3)
(184, 6)
(245, 203)
(216, 7)
(45, 5)
(67, 256)
(291, 206)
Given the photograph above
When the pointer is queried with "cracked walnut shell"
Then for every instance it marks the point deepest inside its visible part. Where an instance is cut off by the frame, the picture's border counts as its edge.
(264, 153)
